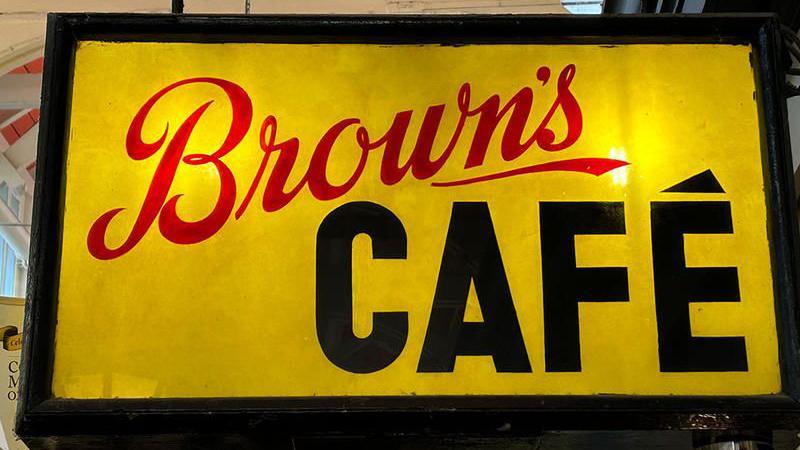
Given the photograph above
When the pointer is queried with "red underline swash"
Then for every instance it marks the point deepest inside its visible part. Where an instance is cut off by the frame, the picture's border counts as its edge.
(594, 166)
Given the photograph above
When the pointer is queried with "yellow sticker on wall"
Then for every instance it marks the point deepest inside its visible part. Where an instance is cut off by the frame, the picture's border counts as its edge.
(284, 220)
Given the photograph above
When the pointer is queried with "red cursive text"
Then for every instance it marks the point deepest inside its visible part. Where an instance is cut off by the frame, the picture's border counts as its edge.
(488, 116)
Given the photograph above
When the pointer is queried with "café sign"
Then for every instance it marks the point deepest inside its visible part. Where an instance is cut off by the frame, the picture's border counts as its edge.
(410, 214)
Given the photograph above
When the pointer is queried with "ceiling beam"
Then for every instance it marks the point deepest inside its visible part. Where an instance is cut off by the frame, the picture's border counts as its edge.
(8, 120)
(20, 91)
(20, 53)
(22, 153)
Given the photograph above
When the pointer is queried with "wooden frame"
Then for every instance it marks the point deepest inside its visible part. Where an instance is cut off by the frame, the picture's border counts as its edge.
(96, 423)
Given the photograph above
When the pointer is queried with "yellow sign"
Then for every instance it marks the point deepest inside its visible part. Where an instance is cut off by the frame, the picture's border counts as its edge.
(285, 220)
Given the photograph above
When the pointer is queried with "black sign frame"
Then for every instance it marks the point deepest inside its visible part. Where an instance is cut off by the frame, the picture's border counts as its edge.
(42, 418)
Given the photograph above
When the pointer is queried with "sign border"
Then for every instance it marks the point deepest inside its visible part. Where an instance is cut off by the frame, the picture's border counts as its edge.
(41, 416)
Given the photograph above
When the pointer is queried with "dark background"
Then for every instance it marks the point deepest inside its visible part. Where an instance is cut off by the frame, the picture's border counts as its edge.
(789, 10)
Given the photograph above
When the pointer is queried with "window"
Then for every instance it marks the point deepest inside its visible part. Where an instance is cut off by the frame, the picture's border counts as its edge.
(10, 198)
(4, 191)
(8, 268)
(583, 6)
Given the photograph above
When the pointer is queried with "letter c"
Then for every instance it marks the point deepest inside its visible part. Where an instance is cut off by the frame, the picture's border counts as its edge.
(335, 287)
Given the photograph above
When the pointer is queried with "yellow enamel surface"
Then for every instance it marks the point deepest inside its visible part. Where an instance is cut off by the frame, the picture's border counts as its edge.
(235, 315)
